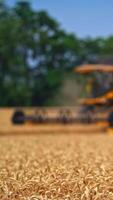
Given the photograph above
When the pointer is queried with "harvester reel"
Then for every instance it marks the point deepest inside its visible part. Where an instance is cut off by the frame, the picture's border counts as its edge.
(87, 115)
(64, 116)
(40, 116)
(110, 119)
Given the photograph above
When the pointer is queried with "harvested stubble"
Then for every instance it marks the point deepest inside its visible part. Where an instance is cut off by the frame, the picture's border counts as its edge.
(56, 167)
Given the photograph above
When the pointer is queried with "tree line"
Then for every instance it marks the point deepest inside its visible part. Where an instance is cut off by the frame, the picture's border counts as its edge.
(35, 52)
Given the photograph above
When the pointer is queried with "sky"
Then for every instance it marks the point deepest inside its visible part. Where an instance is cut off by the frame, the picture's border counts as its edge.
(84, 18)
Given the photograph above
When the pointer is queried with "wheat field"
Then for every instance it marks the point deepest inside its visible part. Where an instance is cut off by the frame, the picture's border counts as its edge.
(56, 167)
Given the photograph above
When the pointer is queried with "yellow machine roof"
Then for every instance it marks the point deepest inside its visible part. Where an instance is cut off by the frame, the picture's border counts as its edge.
(88, 68)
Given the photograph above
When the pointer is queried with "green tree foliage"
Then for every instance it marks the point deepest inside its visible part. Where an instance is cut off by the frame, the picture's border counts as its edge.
(91, 49)
(34, 52)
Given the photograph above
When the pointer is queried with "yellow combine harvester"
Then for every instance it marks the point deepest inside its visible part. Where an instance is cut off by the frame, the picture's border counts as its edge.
(95, 109)
(99, 104)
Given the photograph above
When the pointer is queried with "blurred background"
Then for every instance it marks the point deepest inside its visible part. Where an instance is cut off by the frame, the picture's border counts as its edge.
(41, 42)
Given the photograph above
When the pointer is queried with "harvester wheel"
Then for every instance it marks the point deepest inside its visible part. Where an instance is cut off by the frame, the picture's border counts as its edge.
(110, 119)
(18, 117)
